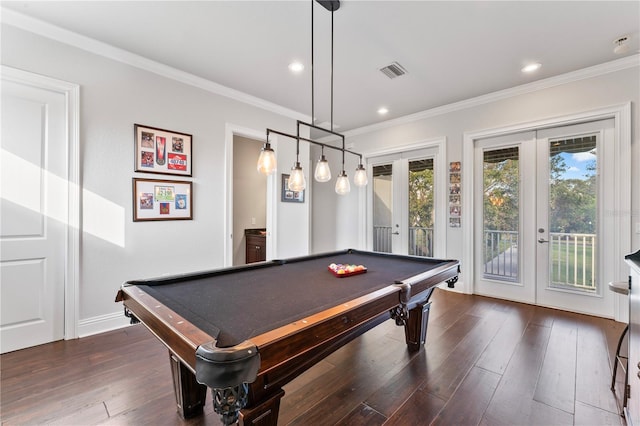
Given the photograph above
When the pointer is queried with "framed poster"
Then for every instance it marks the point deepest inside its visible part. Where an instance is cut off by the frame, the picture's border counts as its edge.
(155, 199)
(162, 151)
(289, 196)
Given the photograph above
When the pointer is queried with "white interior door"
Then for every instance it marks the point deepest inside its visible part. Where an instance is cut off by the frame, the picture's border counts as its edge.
(34, 214)
(544, 234)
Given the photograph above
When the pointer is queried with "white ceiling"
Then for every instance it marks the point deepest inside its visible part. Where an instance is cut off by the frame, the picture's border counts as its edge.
(452, 50)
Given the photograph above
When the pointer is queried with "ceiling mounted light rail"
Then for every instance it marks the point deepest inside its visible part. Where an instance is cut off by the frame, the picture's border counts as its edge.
(267, 161)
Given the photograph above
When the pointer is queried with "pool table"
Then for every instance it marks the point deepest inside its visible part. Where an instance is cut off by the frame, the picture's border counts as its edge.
(246, 331)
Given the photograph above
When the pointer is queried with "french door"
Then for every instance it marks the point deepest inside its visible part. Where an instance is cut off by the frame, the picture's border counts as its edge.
(543, 230)
(404, 203)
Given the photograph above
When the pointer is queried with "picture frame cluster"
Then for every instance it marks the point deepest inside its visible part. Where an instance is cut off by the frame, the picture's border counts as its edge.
(455, 180)
(165, 152)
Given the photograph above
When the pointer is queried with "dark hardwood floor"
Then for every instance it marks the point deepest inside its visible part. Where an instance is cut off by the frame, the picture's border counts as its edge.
(486, 362)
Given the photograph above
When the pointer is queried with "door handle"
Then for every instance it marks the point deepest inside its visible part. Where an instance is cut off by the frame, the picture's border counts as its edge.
(395, 233)
(542, 240)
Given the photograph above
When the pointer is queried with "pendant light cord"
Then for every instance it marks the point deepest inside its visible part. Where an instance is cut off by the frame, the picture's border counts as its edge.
(332, 70)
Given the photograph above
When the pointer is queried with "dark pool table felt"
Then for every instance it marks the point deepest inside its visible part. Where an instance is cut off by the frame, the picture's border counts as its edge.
(233, 307)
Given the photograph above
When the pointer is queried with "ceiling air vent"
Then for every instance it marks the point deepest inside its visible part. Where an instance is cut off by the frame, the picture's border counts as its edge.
(393, 70)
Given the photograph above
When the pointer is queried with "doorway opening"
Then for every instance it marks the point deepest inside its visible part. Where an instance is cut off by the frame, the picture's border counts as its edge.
(249, 204)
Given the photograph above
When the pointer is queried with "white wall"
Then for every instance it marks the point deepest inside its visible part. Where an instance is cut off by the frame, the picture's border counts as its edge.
(114, 96)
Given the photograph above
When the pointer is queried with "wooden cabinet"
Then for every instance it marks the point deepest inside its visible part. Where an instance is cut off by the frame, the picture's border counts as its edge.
(256, 245)
(632, 412)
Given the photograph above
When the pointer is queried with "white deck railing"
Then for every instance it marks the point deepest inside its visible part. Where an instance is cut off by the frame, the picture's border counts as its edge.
(572, 258)
(420, 240)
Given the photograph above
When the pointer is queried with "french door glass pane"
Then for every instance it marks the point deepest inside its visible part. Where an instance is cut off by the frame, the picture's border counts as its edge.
(501, 204)
(382, 207)
(421, 208)
(572, 213)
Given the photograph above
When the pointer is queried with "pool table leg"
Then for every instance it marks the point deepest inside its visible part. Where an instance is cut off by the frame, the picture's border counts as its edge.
(190, 395)
(415, 328)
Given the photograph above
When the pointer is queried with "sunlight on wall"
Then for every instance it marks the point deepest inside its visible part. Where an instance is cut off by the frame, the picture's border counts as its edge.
(101, 218)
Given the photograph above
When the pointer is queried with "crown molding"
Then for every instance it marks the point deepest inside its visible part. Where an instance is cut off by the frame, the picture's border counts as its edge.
(96, 47)
(590, 72)
(56, 33)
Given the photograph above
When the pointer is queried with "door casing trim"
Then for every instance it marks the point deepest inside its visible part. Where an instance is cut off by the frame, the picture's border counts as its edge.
(71, 92)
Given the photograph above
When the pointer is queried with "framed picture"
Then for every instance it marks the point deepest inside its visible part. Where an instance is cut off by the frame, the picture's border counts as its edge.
(162, 151)
(155, 199)
(289, 196)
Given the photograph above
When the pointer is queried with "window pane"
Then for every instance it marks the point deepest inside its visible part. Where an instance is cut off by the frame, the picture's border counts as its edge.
(572, 213)
(421, 207)
(501, 199)
(382, 207)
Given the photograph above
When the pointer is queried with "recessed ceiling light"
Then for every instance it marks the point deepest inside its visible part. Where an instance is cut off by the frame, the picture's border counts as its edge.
(382, 111)
(296, 67)
(531, 67)
(621, 45)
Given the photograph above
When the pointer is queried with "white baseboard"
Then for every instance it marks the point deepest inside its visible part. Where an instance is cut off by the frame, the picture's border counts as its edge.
(102, 323)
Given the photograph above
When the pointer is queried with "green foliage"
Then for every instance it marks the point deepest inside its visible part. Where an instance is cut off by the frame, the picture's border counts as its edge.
(572, 202)
(421, 199)
(501, 195)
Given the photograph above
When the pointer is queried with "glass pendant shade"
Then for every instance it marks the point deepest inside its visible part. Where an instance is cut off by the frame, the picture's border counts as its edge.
(342, 184)
(323, 172)
(267, 160)
(360, 178)
(297, 182)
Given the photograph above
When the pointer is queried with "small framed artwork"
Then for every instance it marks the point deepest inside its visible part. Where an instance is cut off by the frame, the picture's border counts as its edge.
(289, 196)
(162, 151)
(455, 179)
(155, 199)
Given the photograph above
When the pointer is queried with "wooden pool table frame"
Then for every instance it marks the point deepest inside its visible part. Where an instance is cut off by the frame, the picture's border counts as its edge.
(287, 351)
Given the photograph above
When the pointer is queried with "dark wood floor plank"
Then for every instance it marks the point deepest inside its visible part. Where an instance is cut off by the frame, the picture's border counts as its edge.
(513, 401)
(470, 401)
(420, 409)
(444, 380)
(499, 351)
(374, 359)
(593, 381)
(363, 416)
(557, 379)
(402, 385)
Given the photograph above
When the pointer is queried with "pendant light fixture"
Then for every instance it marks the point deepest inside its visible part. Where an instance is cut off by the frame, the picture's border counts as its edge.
(297, 181)
(267, 160)
(360, 178)
(323, 171)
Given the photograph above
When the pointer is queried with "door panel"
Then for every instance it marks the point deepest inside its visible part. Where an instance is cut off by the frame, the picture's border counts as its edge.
(421, 198)
(574, 190)
(382, 185)
(503, 243)
(33, 208)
